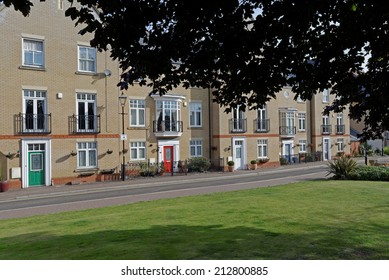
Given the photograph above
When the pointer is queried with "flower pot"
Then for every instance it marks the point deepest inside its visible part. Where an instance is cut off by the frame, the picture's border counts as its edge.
(253, 166)
(230, 168)
(4, 186)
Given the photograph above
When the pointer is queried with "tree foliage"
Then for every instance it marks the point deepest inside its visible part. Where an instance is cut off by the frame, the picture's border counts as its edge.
(247, 50)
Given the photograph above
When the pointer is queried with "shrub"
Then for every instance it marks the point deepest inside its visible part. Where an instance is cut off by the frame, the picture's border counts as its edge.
(231, 163)
(341, 167)
(283, 161)
(386, 150)
(199, 164)
(254, 161)
(369, 173)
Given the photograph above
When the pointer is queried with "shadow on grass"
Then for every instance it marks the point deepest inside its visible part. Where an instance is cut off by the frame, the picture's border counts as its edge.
(196, 242)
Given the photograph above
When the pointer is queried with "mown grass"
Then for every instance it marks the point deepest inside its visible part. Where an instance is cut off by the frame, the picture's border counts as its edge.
(309, 220)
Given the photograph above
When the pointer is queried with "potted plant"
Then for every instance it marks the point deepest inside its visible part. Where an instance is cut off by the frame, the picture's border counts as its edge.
(231, 164)
(263, 160)
(4, 185)
(253, 164)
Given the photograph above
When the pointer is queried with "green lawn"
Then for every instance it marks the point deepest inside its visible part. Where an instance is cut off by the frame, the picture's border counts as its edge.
(308, 220)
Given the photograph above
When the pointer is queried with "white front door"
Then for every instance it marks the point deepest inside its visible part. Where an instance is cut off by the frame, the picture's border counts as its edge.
(287, 150)
(239, 152)
(326, 148)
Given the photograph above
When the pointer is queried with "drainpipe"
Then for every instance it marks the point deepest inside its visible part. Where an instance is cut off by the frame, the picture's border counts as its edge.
(209, 123)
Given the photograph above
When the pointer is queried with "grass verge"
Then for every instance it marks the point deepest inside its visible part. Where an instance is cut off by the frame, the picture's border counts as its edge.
(308, 220)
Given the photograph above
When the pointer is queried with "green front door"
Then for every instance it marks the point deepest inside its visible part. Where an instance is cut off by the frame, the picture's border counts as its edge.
(36, 168)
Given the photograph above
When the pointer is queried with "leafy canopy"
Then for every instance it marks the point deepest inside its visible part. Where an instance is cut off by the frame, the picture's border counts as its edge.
(247, 50)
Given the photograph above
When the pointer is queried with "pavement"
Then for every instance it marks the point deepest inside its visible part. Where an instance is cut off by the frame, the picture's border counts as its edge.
(167, 178)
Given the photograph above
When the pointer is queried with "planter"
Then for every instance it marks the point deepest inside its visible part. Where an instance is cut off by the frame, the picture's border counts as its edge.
(253, 166)
(4, 186)
(230, 168)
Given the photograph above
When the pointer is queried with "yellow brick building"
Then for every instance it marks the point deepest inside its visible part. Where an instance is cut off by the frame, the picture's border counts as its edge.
(61, 116)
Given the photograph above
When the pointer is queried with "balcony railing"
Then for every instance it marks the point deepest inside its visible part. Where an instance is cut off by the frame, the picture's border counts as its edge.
(84, 124)
(326, 129)
(238, 125)
(340, 129)
(262, 125)
(168, 128)
(33, 123)
(287, 130)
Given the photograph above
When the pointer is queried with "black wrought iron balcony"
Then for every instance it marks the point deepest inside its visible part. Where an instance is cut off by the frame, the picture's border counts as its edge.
(340, 129)
(33, 123)
(168, 128)
(238, 125)
(84, 124)
(287, 130)
(326, 129)
(262, 125)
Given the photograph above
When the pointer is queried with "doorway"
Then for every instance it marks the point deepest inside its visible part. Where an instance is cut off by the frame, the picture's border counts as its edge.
(326, 149)
(168, 158)
(239, 152)
(287, 150)
(36, 170)
(36, 164)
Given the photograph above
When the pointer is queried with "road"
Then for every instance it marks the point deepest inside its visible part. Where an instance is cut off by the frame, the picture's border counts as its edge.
(25, 204)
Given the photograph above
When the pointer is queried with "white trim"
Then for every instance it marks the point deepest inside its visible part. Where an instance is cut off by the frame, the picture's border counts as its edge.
(243, 152)
(34, 88)
(168, 97)
(176, 150)
(33, 36)
(83, 44)
(329, 148)
(291, 143)
(91, 91)
(25, 143)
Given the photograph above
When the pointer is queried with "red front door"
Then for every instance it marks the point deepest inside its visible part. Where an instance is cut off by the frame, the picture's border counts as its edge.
(168, 158)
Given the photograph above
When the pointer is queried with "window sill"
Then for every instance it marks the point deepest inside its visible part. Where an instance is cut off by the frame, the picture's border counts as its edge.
(86, 171)
(140, 127)
(85, 73)
(34, 68)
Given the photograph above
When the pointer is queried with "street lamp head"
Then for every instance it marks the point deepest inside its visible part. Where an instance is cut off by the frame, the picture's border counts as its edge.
(122, 99)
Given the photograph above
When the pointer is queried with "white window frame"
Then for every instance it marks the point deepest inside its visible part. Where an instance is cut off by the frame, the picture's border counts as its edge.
(326, 95)
(302, 146)
(195, 114)
(238, 119)
(137, 147)
(262, 148)
(169, 112)
(196, 145)
(35, 53)
(60, 4)
(302, 121)
(340, 144)
(86, 99)
(287, 119)
(37, 100)
(138, 107)
(88, 148)
(87, 59)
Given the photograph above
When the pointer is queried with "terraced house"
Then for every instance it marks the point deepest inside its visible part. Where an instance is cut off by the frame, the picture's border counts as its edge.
(61, 115)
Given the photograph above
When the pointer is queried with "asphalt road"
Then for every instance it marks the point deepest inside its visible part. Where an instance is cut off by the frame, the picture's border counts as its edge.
(24, 204)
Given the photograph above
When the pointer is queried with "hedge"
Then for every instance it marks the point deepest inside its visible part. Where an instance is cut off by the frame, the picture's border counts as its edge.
(369, 173)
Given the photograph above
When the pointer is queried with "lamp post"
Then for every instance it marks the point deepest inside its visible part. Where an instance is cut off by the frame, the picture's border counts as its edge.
(122, 101)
